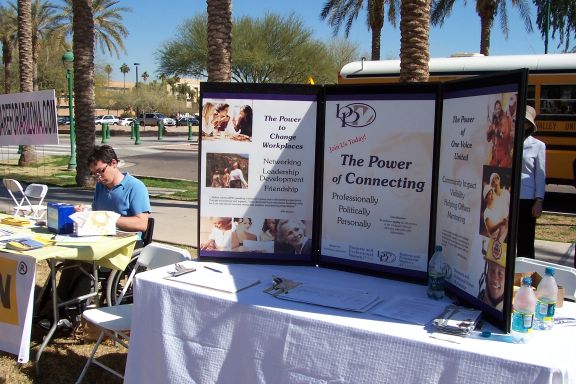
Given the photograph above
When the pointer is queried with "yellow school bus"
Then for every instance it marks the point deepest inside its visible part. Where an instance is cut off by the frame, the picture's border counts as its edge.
(551, 91)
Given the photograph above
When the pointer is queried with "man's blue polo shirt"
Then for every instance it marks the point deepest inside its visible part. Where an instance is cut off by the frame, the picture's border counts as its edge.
(128, 198)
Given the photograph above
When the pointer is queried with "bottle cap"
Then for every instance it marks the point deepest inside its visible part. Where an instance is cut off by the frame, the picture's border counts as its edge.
(550, 271)
(438, 248)
(526, 280)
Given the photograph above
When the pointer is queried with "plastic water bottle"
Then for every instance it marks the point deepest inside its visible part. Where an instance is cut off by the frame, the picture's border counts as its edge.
(523, 313)
(436, 274)
(547, 294)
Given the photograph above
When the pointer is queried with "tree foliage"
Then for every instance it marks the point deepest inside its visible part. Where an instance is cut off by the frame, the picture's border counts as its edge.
(487, 10)
(562, 20)
(109, 29)
(345, 12)
(272, 49)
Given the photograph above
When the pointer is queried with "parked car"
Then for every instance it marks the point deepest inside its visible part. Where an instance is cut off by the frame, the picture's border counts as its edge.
(184, 120)
(154, 118)
(107, 119)
(127, 121)
(64, 120)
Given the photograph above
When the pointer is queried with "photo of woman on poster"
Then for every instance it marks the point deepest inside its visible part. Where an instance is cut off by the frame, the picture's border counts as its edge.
(499, 133)
(243, 124)
(237, 177)
(227, 120)
(291, 238)
(228, 170)
(207, 117)
(495, 204)
(222, 237)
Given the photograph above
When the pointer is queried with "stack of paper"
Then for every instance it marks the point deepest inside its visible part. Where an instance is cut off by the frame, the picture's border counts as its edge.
(416, 310)
(340, 298)
(214, 280)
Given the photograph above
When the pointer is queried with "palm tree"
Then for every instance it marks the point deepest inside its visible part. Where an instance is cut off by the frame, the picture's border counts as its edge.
(43, 14)
(557, 16)
(83, 41)
(346, 11)
(487, 10)
(124, 69)
(28, 154)
(8, 38)
(414, 40)
(109, 29)
(145, 76)
(220, 41)
(108, 71)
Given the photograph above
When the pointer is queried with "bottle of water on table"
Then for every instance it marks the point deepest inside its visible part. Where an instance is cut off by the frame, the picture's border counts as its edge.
(523, 312)
(436, 274)
(546, 293)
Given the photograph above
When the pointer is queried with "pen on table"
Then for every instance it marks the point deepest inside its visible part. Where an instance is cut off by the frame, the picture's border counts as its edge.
(212, 269)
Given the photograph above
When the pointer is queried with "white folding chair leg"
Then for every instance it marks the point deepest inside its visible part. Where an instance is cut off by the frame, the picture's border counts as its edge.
(93, 360)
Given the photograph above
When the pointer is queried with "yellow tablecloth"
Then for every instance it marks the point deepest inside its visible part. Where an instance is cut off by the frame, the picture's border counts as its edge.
(111, 252)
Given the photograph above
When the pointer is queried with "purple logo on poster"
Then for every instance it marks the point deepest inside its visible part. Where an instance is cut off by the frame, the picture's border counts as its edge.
(355, 115)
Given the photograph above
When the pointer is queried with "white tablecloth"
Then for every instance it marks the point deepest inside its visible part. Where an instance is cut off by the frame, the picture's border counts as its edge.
(187, 334)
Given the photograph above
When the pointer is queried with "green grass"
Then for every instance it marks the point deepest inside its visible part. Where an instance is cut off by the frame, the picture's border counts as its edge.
(53, 171)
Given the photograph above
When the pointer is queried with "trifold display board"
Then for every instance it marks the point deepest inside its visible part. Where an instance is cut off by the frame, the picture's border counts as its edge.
(258, 172)
(368, 179)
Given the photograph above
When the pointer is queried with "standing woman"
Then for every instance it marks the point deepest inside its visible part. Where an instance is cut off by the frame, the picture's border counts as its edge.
(532, 188)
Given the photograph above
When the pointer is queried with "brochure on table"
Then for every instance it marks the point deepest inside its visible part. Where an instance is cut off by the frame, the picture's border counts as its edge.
(399, 167)
(377, 178)
(257, 172)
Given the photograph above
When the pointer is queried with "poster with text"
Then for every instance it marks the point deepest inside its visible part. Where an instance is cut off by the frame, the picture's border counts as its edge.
(257, 172)
(475, 191)
(377, 179)
(28, 118)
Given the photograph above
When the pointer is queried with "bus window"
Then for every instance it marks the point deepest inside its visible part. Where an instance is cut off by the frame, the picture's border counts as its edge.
(531, 97)
(558, 99)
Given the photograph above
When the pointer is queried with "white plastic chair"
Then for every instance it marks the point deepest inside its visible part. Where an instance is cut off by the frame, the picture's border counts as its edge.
(29, 201)
(114, 321)
(565, 276)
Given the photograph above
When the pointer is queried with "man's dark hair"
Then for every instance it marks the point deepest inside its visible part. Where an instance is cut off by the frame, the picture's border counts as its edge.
(103, 153)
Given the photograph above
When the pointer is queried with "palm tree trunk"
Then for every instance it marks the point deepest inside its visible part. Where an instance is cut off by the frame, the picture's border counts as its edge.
(486, 23)
(28, 155)
(83, 45)
(219, 40)
(414, 40)
(376, 17)
(7, 50)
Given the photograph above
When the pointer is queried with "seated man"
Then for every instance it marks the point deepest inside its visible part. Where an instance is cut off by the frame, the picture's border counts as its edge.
(115, 191)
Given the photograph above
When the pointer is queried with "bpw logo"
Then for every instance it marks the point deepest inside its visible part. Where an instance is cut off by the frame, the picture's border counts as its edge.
(8, 305)
(355, 115)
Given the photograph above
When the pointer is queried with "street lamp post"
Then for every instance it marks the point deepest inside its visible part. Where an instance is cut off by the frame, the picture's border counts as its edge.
(136, 86)
(68, 62)
(136, 65)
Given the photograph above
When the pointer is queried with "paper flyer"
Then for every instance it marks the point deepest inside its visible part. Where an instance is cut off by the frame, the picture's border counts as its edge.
(257, 175)
(378, 166)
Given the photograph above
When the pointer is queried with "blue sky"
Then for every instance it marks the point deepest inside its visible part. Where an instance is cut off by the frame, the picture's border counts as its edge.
(151, 23)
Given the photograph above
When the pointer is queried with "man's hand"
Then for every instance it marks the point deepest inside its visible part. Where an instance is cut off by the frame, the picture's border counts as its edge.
(537, 208)
(80, 208)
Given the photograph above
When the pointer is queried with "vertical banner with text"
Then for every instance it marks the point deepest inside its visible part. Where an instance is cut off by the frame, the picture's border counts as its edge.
(377, 178)
(476, 176)
(17, 276)
(257, 172)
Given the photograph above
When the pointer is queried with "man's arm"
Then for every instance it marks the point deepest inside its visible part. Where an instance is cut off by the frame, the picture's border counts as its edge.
(137, 223)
